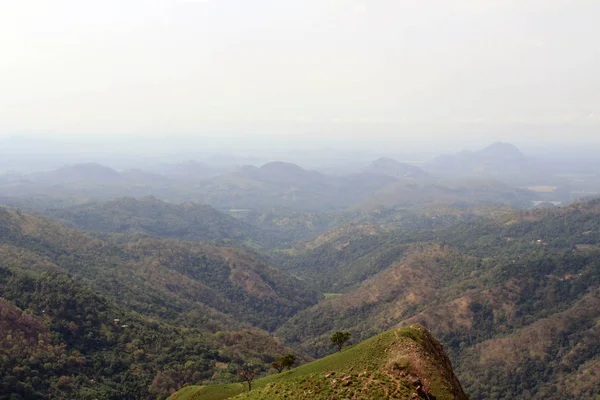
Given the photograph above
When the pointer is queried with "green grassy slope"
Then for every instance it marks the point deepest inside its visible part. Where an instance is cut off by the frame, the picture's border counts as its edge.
(397, 364)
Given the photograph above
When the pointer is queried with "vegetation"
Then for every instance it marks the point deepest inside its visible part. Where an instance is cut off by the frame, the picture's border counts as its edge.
(67, 341)
(288, 361)
(395, 364)
(483, 286)
(513, 295)
(184, 282)
(283, 362)
(339, 339)
(248, 372)
(151, 216)
(73, 344)
(125, 328)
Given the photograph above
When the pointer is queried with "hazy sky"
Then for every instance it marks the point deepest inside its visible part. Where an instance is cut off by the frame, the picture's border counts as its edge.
(328, 68)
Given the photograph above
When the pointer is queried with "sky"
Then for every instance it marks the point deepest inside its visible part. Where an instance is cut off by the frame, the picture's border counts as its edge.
(313, 70)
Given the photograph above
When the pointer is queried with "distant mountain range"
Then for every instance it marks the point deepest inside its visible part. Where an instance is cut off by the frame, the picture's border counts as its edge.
(467, 192)
(499, 160)
(497, 174)
(288, 186)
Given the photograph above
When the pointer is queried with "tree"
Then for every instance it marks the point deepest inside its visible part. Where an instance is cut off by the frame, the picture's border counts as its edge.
(277, 365)
(284, 362)
(248, 372)
(339, 338)
(64, 383)
(288, 361)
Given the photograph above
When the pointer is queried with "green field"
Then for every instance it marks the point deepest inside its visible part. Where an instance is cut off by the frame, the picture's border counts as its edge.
(361, 371)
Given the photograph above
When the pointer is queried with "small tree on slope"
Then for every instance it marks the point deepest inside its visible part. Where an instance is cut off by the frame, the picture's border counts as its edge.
(248, 372)
(284, 362)
(288, 361)
(339, 339)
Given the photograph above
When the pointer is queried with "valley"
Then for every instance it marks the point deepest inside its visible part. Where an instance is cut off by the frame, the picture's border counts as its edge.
(106, 294)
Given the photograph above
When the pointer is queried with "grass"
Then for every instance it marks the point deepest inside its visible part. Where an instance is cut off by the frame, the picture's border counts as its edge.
(332, 294)
(359, 372)
(364, 356)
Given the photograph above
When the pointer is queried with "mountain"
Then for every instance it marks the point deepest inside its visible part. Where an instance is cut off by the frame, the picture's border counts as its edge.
(139, 177)
(463, 193)
(79, 173)
(281, 172)
(500, 152)
(513, 297)
(286, 186)
(395, 169)
(150, 216)
(80, 182)
(89, 174)
(276, 187)
(403, 363)
(190, 171)
(499, 160)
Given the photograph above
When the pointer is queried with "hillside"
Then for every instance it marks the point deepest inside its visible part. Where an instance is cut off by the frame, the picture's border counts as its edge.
(188, 171)
(395, 169)
(194, 284)
(129, 317)
(501, 161)
(402, 363)
(80, 173)
(287, 186)
(348, 255)
(148, 215)
(495, 159)
(369, 242)
(81, 182)
(61, 339)
(91, 175)
(510, 296)
(462, 193)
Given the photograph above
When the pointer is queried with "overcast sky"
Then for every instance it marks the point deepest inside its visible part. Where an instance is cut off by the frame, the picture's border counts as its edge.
(392, 69)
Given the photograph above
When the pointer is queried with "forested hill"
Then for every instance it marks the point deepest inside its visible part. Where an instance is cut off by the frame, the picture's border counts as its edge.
(59, 339)
(176, 280)
(148, 215)
(142, 316)
(514, 298)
